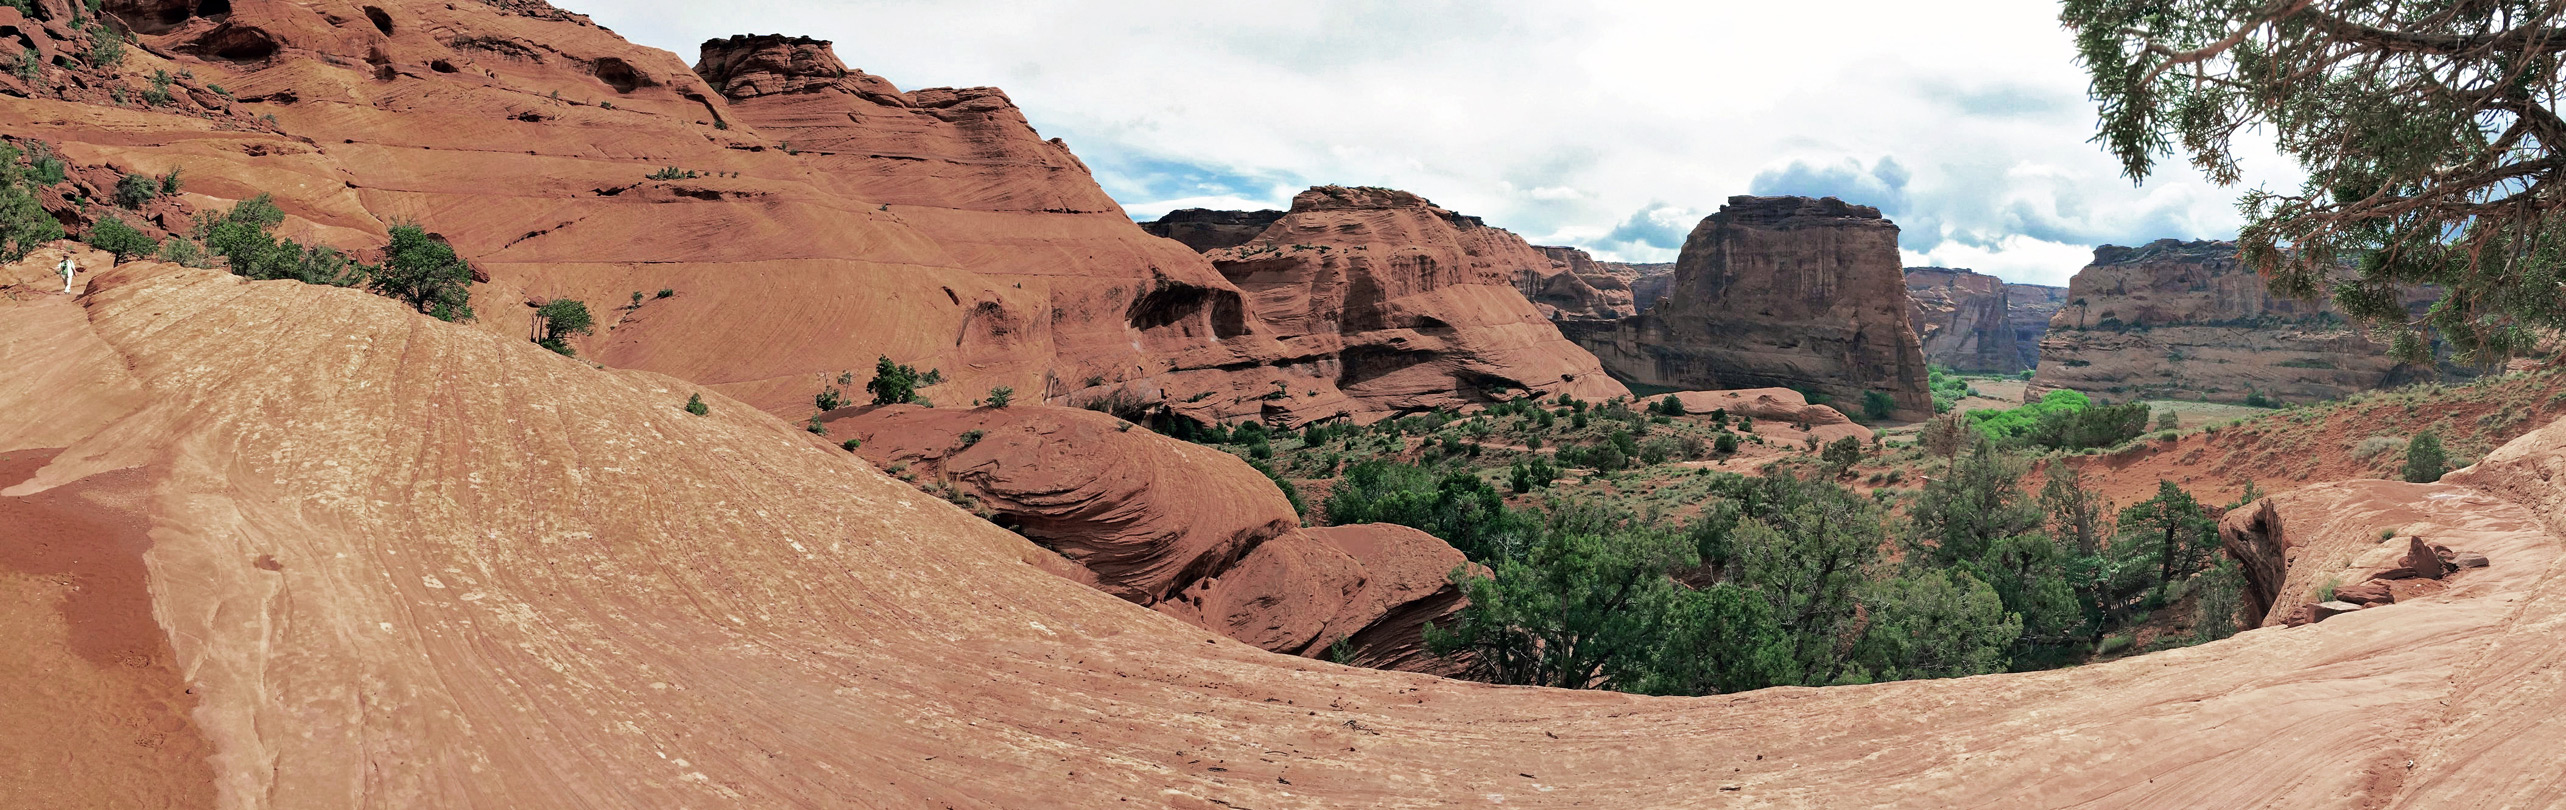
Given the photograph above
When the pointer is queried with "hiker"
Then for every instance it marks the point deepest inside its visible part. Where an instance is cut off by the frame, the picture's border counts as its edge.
(67, 268)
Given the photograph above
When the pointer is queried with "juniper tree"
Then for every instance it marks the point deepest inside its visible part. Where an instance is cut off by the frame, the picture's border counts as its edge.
(2428, 129)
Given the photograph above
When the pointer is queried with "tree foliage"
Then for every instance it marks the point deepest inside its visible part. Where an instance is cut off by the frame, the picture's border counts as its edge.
(2425, 460)
(2428, 130)
(245, 237)
(24, 225)
(113, 235)
(557, 320)
(420, 271)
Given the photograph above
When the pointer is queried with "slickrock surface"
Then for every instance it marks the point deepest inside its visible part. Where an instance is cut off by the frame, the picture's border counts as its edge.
(1189, 530)
(1973, 322)
(1206, 230)
(1403, 305)
(1784, 292)
(2185, 320)
(405, 563)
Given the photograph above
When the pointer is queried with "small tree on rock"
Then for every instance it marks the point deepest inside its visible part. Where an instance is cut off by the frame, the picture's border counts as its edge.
(420, 271)
(559, 319)
(2425, 461)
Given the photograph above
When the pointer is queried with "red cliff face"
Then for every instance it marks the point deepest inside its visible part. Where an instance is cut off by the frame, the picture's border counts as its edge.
(803, 217)
(1405, 305)
(1206, 230)
(1784, 292)
(1973, 322)
(2185, 320)
(1576, 287)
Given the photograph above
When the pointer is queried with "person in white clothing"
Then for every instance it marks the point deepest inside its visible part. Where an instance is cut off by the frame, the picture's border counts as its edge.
(68, 268)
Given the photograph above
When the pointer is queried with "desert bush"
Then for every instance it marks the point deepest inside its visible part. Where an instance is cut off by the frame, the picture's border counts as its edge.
(2425, 459)
(115, 236)
(2374, 446)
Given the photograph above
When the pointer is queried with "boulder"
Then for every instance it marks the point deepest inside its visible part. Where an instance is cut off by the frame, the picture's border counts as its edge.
(2424, 559)
(1786, 292)
(1774, 405)
(2365, 593)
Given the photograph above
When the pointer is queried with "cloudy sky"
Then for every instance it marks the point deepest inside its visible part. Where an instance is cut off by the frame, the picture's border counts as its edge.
(1611, 126)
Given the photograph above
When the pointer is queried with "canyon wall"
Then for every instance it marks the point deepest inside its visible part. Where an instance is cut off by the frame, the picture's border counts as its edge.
(1786, 292)
(1573, 286)
(1206, 230)
(1975, 323)
(2185, 320)
(756, 223)
(1404, 305)
(1649, 281)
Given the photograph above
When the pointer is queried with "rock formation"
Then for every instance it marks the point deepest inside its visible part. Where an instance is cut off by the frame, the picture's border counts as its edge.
(2185, 320)
(1403, 305)
(1784, 292)
(1188, 530)
(1777, 405)
(804, 217)
(1206, 230)
(405, 563)
(1575, 287)
(1971, 322)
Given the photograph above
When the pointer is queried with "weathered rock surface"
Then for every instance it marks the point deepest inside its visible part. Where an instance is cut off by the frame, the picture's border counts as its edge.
(1971, 322)
(2362, 542)
(2185, 320)
(1402, 305)
(1206, 230)
(1189, 530)
(1784, 292)
(405, 563)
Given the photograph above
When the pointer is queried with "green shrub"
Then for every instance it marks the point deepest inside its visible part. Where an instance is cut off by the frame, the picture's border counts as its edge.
(24, 224)
(114, 236)
(695, 405)
(1878, 405)
(135, 189)
(106, 47)
(1001, 396)
(894, 383)
(244, 238)
(2425, 460)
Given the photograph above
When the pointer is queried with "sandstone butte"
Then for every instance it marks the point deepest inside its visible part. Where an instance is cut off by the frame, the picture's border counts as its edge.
(1206, 230)
(1404, 304)
(1972, 322)
(388, 561)
(2185, 320)
(1786, 292)
(806, 218)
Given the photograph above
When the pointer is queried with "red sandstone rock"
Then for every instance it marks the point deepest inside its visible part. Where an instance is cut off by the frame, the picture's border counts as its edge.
(2373, 592)
(1403, 305)
(1192, 531)
(540, 583)
(1576, 287)
(1783, 292)
(2422, 559)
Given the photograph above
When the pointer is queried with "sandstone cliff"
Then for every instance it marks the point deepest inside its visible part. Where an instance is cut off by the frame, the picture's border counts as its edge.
(1206, 230)
(1972, 322)
(2185, 320)
(1404, 305)
(1784, 292)
(1649, 281)
(802, 216)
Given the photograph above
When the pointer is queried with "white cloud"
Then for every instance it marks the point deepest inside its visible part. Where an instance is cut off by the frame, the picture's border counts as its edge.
(1591, 123)
(2015, 257)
